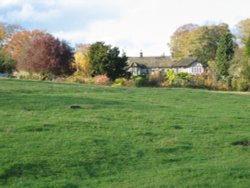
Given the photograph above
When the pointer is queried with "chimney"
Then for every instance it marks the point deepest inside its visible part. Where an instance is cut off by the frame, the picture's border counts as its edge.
(141, 54)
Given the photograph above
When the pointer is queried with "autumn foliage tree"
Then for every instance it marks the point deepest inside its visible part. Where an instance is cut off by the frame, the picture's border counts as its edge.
(198, 42)
(81, 61)
(39, 52)
(6, 31)
(180, 41)
(243, 28)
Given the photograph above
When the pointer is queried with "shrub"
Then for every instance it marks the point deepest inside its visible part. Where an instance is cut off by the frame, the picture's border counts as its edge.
(223, 85)
(240, 84)
(184, 75)
(76, 78)
(170, 76)
(27, 76)
(179, 82)
(140, 81)
(130, 83)
(156, 79)
(101, 80)
(120, 82)
(198, 81)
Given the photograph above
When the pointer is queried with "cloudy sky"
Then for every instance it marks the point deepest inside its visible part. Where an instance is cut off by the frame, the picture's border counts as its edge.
(132, 25)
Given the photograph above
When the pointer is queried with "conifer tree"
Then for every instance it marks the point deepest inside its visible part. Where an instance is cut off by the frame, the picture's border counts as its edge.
(224, 53)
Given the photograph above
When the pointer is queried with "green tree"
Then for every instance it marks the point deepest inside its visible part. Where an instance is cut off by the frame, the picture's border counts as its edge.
(106, 60)
(243, 28)
(247, 48)
(7, 64)
(199, 42)
(225, 53)
(180, 41)
(240, 71)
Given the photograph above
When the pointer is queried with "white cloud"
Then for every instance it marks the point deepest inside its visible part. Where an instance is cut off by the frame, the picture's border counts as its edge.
(7, 3)
(139, 25)
(27, 12)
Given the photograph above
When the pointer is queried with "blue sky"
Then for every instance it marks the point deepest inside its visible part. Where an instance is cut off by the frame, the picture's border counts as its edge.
(132, 25)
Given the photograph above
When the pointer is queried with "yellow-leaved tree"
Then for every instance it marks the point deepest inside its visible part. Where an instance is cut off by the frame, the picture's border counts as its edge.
(81, 64)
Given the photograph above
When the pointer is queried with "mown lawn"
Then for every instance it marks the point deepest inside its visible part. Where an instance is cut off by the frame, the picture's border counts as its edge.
(122, 137)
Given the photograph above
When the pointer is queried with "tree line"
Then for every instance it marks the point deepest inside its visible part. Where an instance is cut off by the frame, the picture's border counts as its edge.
(225, 55)
(38, 52)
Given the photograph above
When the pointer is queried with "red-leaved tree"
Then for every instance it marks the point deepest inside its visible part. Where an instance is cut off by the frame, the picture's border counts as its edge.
(39, 52)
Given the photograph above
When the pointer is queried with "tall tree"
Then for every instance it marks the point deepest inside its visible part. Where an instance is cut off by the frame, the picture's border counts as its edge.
(198, 42)
(81, 64)
(247, 47)
(225, 53)
(7, 64)
(105, 59)
(243, 28)
(39, 52)
(240, 70)
(180, 41)
(6, 31)
(81, 60)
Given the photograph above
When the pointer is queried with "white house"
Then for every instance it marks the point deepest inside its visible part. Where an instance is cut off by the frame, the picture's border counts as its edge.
(147, 65)
(190, 66)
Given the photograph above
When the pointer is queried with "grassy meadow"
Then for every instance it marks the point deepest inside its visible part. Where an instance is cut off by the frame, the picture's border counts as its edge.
(121, 137)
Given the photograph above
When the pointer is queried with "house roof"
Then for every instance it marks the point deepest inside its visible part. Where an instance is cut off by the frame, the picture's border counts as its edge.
(158, 62)
(152, 62)
(184, 62)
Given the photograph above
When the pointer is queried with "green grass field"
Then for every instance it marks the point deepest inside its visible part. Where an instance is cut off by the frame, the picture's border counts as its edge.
(122, 137)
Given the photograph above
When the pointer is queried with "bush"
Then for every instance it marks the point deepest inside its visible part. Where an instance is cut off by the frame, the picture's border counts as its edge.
(27, 76)
(101, 80)
(120, 82)
(182, 79)
(198, 81)
(156, 79)
(240, 84)
(184, 75)
(222, 85)
(140, 81)
(179, 82)
(130, 83)
(170, 76)
(76, 78)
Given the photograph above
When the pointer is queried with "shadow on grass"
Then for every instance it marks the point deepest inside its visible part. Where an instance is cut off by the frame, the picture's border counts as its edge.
(241, 143)
(34, 170)
(174, 149)
(45, 127)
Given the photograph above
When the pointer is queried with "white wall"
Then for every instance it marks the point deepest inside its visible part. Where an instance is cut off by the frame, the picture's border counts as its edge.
(195, 68)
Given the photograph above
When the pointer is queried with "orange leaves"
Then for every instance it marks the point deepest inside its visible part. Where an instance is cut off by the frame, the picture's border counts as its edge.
(39, 52)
